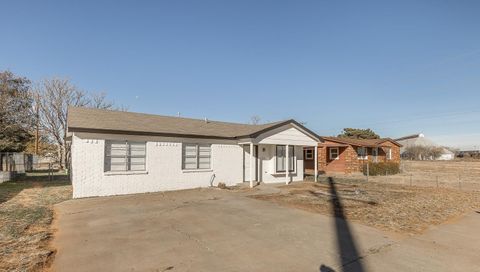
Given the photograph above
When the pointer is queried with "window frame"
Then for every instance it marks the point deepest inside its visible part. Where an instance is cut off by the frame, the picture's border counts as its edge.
(375, 154)
(365, 153)
(197, 157)
(293, 157)
(389, 153)
(330, 153)
(312, 154)
(128, 157)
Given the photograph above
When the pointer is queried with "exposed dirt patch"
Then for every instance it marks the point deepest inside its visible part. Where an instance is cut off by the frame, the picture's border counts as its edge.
(391, 207)
(26, 214)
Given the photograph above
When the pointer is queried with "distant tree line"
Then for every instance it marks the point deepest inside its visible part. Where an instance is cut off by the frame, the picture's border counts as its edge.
(34, 119)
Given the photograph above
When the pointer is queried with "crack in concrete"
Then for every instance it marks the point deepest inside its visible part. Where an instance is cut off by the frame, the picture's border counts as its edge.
(190, 237)
(371, 251)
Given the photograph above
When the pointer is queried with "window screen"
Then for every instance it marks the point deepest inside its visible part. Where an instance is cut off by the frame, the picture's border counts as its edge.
(196, 156)
(125, 156)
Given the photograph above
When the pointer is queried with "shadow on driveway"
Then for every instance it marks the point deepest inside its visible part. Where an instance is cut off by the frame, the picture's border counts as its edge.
(348, 252)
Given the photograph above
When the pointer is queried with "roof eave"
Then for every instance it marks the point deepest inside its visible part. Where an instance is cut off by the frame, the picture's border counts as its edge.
(147, 133)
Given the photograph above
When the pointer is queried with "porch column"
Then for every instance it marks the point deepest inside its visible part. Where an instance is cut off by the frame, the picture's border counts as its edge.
(315, 152)
(287, 165)
(251, 165)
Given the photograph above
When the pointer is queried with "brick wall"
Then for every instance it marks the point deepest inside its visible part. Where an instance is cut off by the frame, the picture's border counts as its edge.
(348, 161)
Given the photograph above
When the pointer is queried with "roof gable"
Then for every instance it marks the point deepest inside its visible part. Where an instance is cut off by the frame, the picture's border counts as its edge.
(289, 133)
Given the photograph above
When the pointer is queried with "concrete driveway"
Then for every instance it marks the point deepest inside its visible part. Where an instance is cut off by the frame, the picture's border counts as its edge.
(218, 230)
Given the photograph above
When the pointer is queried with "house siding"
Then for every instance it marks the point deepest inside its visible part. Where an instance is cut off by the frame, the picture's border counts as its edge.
(163, 169)
(267, 155)
(348, 161)
(164, 166)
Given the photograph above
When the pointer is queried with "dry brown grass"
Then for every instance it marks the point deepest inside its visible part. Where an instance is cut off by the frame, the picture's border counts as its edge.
(391, 207)
(26, 214)
(463, 175)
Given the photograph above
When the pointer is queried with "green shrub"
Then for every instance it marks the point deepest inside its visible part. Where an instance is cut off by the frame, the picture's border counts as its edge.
(382, 168)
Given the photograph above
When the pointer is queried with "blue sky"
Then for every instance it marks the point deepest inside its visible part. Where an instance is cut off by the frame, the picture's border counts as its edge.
(398, 67)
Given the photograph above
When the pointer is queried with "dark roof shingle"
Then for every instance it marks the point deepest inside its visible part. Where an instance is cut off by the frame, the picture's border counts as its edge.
(87, 119)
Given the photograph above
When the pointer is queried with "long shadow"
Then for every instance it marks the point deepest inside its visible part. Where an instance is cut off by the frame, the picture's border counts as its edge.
(349, 255)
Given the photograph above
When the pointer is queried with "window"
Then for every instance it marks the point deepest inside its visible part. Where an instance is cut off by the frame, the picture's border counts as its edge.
(375, 154)
(362, 153)
(389, 153)
(196, 156)
(281, 158)
(333, 153)
(309, 154)
(124, 156)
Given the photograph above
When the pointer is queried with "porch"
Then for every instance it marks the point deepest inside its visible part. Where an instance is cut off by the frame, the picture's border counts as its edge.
(273, 163)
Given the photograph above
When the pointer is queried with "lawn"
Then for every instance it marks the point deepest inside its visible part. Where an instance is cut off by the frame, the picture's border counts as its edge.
(26, 214)
(390, 207)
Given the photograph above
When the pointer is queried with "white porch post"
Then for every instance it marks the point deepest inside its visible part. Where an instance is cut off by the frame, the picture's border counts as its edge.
(287, 165)
(251, 165)
(316, 162)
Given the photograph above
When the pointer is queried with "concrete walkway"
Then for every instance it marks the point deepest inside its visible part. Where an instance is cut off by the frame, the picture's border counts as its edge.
(450, 247)
(218, 230)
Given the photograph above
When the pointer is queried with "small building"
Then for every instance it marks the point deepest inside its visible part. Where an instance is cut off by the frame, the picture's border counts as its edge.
(421, 140)
(347, 156)
(12, 164)
(115, 152)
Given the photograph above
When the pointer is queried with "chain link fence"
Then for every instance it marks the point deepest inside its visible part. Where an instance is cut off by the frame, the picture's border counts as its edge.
(463, 175)
(14, 165)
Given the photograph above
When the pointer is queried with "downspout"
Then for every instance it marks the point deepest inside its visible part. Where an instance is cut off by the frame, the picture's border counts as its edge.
(211, 180)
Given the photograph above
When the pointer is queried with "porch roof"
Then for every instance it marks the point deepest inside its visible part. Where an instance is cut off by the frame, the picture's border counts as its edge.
(362, 142)
(334, 145)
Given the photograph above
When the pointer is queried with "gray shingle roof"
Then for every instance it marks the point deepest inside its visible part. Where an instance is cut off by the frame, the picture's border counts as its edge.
(108, 121)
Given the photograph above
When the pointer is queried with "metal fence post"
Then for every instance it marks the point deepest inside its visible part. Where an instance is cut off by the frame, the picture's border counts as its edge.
(368, 171)
(411, 177)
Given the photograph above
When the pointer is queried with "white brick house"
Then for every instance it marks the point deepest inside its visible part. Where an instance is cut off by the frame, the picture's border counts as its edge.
(116, 153)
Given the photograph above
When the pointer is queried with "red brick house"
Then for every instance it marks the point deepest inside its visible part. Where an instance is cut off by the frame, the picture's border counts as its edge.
(344, 155)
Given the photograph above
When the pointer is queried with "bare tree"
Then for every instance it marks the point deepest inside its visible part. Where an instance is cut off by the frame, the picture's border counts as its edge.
(53, 97)
(421, 152)
(255, 120)
(435, 152)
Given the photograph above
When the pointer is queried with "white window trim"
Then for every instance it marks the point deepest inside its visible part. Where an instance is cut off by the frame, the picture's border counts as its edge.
(210, 169)
(294, 162)
(125, 173)
(330, 153)
(389, 153)
(365, 154)
(307, 158)
(197, 170)
(375, 157)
